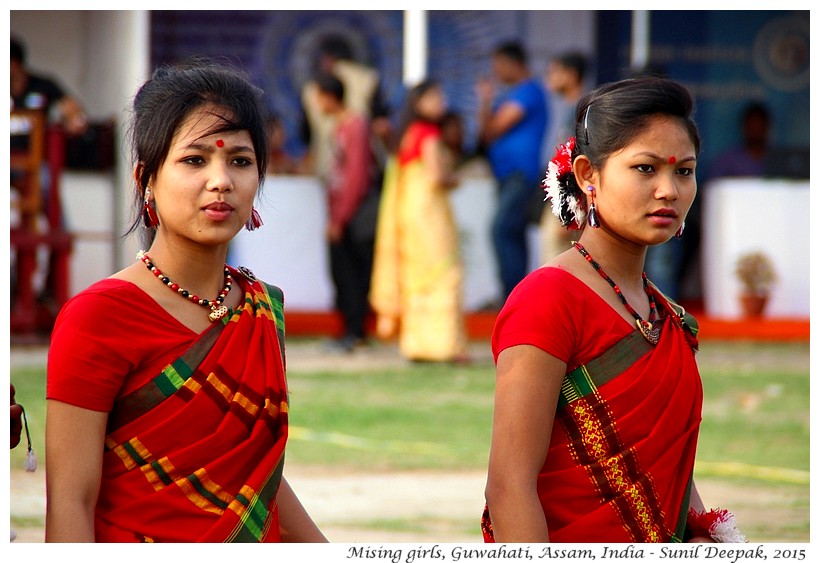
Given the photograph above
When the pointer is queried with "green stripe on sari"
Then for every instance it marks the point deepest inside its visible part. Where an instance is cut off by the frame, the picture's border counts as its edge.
(133, 453)
(586, 378)
(174, 376)
(161, 473)
(202, 490)
(276, 298)
(252, 524)
(683, 515)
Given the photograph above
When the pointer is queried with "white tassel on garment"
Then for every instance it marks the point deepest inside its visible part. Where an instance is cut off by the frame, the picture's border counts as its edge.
(31, 462)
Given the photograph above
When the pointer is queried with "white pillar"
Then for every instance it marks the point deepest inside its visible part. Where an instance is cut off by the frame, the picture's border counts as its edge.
(639, 54)
(415, 46)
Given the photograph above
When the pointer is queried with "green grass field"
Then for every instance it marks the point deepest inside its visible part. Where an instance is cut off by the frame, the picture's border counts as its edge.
(754, 435)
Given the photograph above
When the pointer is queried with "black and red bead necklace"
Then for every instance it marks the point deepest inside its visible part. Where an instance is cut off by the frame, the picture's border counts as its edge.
(218, 310)
(647, 328)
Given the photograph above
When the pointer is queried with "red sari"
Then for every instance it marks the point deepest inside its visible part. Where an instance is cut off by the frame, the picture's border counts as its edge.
(622, 450)
(195, 453)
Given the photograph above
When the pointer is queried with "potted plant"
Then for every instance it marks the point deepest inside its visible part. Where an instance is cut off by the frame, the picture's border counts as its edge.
(757, 276)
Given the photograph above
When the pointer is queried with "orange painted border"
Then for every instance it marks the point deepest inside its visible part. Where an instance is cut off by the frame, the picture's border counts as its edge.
(480, 327)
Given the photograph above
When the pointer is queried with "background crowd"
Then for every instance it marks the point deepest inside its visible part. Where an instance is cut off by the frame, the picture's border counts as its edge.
(520, 115)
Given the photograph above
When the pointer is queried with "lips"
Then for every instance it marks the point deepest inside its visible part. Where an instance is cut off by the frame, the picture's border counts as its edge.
(218, 206)
(218, 210)
(665, 212)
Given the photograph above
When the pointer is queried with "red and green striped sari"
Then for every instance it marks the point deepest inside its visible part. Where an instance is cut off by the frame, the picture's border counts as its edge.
(196, 454)
(622, 451)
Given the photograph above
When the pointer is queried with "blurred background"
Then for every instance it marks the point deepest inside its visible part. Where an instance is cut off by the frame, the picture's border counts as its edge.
(729, 59)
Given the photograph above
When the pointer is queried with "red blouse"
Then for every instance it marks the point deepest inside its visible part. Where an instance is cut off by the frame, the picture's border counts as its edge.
(417, 133)
(109, 340)
(556, 312)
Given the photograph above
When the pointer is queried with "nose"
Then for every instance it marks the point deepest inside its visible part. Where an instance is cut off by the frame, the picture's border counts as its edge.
(219, 177)
(667, 187)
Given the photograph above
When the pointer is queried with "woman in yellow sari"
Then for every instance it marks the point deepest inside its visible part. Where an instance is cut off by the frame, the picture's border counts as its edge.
(417, 272)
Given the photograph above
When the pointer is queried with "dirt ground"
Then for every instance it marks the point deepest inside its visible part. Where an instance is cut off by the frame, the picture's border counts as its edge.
(428, 506)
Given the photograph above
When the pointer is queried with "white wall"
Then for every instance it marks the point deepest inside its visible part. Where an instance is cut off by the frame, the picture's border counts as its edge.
(746, 215)
(290, 249)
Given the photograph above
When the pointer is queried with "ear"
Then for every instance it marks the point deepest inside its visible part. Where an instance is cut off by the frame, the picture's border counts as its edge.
(585, 173)
(138, 168)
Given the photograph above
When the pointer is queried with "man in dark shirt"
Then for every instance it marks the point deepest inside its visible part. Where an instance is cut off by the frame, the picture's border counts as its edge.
(352, 207)
(36, 92)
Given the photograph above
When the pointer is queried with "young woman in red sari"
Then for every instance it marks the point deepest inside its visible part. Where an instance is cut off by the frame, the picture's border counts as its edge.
(167, 401)
(598, 396)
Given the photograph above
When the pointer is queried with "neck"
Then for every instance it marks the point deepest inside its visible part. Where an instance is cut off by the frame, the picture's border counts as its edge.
(623, 262)
(200, 270)
(520, 77)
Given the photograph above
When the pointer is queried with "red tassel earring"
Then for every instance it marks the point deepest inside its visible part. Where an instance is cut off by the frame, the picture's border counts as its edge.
(679, 234)
(149, 214)
(254, 221)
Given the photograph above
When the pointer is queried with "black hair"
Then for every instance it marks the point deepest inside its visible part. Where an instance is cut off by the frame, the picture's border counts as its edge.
(756, 109)
(575, 61)
(409, 114)
(174, 92)
(609, 117)
(336, 47)
(329, 84)
(452, 116)
(512, 50)
(17, 52)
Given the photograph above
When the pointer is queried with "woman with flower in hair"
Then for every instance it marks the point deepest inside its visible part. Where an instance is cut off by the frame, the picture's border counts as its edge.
(598, 396)
(167, 399)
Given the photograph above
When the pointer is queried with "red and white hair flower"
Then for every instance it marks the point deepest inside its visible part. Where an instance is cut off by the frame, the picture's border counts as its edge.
(567, 199)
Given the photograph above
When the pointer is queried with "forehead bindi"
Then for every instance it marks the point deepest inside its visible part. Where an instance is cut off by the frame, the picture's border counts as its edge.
(664, 139)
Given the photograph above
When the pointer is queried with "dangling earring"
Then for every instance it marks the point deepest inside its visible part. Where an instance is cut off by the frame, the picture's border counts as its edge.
(254, 221)
(592, 217)
(679, 234)
(149, 215)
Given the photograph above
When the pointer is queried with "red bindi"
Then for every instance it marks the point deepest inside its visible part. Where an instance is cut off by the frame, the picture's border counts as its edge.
(220, 143)
(672, 160)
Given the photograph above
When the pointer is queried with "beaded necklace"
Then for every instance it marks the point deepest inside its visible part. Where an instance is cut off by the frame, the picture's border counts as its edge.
(218, 310)
(647, 328)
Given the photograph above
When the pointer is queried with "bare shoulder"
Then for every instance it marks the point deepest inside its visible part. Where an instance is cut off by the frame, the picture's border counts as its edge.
(567, 261)
(135, 273)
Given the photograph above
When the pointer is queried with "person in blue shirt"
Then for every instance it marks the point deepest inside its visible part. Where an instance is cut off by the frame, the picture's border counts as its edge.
(511, 127)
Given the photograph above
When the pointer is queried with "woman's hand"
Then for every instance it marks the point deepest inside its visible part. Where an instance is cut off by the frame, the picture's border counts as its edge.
(16, 421)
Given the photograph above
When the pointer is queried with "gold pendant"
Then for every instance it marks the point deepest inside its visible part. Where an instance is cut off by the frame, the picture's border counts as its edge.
(650, 332)
(217, 313)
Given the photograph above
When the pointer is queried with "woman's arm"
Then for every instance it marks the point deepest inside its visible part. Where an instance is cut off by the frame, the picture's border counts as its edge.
(696, 503)
(694, 499)
(74, 451)
(528, 382)
(438, 162)
(295, 524)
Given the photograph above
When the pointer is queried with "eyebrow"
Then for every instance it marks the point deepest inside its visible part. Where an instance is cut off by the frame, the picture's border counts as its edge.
(665, 159)
(199, 145)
